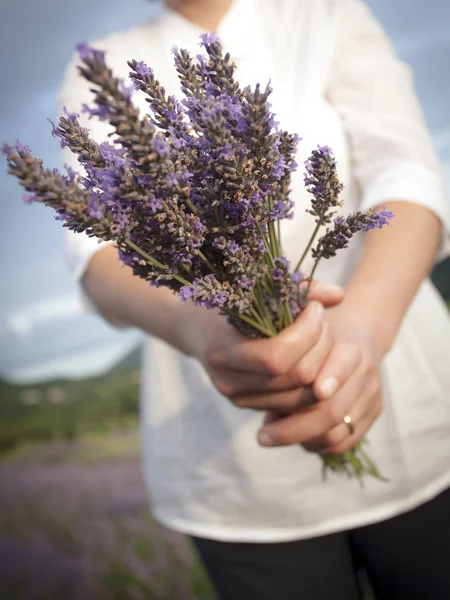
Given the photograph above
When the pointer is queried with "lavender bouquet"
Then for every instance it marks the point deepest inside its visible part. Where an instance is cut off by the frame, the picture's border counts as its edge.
(194, 193)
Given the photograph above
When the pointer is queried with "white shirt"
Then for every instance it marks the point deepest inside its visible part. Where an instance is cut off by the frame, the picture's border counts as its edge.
(338, 83)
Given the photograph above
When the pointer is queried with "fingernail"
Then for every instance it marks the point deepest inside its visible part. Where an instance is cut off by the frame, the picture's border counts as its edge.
(329, 387)
(264, 438)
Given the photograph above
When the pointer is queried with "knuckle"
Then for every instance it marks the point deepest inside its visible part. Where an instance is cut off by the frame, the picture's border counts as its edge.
(274, 365)
(305, 373)
(213, 359)
(330, 439)
(222, 386)
(368, 365)
(313, 332)
(339, 449)
(285, 438)
(376, 387)
(241, 402)
(378, 408)
(333, 413)
(327, 336)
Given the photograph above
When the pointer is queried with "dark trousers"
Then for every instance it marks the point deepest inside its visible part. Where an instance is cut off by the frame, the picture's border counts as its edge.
(404, 558)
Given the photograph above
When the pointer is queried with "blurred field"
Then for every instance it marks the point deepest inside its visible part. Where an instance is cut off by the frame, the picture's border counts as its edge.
(75, 525)
(74, 513)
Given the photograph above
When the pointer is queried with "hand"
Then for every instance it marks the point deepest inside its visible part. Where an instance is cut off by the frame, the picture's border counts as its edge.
(268, 373)
(348, 384)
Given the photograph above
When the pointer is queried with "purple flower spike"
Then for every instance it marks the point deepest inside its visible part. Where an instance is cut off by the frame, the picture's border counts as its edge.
(7, 149)
(208, 38)
(87, 53)
(143, 69)
(187, 292)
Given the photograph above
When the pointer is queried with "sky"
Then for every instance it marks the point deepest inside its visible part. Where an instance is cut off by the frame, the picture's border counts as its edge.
(43, 331)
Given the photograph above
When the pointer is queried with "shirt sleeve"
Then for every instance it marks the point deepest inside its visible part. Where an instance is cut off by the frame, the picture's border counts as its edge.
(391, 150)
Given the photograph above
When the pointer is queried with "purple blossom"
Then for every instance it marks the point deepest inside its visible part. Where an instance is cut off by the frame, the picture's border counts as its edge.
(101, 111)
(279, 168)
(7, 149)
(155, 204)
(122, 220)
(298, 276)
(232, 247)
(208, 39)
(87, 53)
(323, 183)
(143, 69)
(161, 146)
(22, 148)
(345, 227)
(187, 292)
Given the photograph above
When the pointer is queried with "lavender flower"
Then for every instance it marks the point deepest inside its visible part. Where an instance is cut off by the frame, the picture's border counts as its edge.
(344, 229)
(322, 182)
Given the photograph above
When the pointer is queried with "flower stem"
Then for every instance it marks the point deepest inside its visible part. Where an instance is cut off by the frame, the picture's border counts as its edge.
(267, 245)
(308, 247)
(311, 277)
(259, 302)
(186, 199)
(208, 263)
(251, 322)
(155, 262)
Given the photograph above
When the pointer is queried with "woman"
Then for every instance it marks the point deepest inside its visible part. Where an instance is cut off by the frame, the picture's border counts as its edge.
(264, 523)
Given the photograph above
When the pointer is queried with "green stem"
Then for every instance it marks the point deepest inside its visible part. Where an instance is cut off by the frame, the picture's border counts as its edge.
(208, 263)
(192, 206)
(155, 262)
(289, 317)
(279, 234)
(276, 249)
(311, 277)
(258, 299)
(259, 318)
(308, 247)
(253, 323)
(267, 245)
(186, 199)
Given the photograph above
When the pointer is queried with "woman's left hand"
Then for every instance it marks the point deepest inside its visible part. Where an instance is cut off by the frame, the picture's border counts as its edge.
(347, 386)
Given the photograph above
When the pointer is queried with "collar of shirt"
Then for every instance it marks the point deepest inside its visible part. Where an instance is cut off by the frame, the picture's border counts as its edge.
(237, 30)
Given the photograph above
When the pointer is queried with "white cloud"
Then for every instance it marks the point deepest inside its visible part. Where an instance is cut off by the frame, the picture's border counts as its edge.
(25, 320)
(82, 364)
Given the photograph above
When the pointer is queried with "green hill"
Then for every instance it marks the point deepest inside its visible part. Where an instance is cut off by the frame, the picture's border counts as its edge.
(65, 409)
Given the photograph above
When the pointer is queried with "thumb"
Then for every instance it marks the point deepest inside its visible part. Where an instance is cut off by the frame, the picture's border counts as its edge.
(327, 294)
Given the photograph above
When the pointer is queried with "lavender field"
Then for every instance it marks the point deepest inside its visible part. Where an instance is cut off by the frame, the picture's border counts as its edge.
(75, 525)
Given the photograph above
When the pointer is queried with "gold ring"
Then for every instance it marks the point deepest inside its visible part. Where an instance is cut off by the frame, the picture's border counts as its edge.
(348, 421)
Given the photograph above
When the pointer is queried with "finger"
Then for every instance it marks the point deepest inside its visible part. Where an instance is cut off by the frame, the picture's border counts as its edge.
(232, 383)
(282, 403)
(364, 394)
(340, 365)
(306, 371)
(326, 293)
(317, 421)
(360, 430)
(276, 356)
(273, 416)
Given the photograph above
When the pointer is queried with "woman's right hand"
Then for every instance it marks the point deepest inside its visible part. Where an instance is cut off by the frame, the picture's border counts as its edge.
(268, 374)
